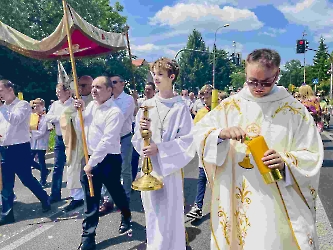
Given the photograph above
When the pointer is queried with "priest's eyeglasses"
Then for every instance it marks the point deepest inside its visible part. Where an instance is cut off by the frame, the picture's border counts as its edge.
(265, 84)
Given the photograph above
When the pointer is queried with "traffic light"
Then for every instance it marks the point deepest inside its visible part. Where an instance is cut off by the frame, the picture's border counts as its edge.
(301, 44)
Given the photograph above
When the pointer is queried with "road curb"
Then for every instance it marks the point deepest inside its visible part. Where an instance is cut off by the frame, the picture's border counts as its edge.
(49, 155)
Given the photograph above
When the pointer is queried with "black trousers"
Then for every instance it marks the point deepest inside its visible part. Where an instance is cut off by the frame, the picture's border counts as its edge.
(108, 173)
(16, 159)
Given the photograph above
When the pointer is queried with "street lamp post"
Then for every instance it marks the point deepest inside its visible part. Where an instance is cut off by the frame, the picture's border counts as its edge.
(214, 51)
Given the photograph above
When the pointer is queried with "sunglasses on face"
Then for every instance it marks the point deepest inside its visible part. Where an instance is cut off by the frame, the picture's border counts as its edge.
(265, 84)
(115, 82)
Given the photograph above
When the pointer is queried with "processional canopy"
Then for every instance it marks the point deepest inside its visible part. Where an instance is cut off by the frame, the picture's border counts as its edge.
(87, 40)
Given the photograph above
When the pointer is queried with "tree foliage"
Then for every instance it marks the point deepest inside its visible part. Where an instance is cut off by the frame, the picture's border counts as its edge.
(196, 68)
(39, 19)
(193, 65)
(321, 62)
(293, 74)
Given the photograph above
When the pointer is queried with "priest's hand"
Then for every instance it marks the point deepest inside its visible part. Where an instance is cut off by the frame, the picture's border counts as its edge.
(145, 123)
(233, 133)
(87, 168)
(150, 150)
(272, 159)
(79, 104)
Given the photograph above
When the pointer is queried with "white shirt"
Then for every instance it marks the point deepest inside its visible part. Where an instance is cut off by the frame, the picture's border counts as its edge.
(140, 101)
(15, 123)
(56, 111)
(127, 106)
(102, 125)
(198, 104)
(40, 138)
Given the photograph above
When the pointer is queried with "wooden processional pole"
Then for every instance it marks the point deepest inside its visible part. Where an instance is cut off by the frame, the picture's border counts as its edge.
(71, 54)
(130, 56)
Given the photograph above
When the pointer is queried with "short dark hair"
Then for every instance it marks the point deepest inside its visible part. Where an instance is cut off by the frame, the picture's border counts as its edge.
(120, 77)
(266, 57)
(171, 66)
(151, 84)
(8, 84)
(106, 80)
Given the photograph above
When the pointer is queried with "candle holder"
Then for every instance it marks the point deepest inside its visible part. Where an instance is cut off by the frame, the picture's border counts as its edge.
(147, 182)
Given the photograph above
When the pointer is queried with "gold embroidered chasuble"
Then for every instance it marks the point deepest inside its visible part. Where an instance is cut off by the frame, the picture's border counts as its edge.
(73, 145)
(246, 213)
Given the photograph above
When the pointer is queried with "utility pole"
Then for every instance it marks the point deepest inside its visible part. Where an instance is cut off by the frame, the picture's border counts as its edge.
(303, 35)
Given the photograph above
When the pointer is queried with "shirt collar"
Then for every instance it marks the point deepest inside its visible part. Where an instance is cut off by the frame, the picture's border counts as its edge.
(16, 100)
(108, 103)
(69, 100)
(120, 96)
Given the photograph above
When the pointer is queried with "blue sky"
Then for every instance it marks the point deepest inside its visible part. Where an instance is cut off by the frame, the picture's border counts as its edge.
(161, 27)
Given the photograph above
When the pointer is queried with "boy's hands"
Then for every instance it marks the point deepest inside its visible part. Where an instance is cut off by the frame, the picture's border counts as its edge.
(150, 150)
(145, 123)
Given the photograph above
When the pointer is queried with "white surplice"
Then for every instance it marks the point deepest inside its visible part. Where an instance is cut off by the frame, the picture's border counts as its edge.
(246, 213)
(164, 208)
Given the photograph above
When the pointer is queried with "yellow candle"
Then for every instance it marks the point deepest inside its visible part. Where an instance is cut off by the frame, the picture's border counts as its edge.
(215, 98)
(258, 147)
(34, 121)
(20, 95)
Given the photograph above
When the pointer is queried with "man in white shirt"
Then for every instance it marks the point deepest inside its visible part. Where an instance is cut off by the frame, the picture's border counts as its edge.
(15, 151)
(149, 93)
(65, 100)
(126, 104)
(198, 104)
(103, 122)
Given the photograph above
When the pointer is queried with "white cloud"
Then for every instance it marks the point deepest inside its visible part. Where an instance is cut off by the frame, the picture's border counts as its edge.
(150, 50)
(248, 4)
(214, 2)
(205, 17)
(316, 14)
(273, 32)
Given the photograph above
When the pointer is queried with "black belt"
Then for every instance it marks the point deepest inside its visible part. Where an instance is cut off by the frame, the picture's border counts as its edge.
(125, 136)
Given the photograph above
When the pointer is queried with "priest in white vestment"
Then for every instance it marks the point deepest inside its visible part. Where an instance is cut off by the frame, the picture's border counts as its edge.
(246, 213)
(170, 123)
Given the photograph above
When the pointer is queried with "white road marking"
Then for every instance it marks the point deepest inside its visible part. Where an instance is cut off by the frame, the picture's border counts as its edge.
(7, 237)
(27, 237)
(327, 135)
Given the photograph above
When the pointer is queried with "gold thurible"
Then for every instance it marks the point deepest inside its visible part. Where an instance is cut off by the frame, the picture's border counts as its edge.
(147, 182)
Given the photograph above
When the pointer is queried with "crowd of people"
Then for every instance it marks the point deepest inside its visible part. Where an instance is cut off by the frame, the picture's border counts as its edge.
(182, 127)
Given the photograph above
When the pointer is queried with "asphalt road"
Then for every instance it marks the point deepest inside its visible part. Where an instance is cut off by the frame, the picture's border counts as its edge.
(34, 230)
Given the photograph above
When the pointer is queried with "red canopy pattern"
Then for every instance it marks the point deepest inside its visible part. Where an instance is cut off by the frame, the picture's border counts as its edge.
(87, 40)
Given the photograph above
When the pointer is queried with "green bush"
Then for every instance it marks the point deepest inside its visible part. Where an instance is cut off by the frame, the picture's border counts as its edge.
(52, 140)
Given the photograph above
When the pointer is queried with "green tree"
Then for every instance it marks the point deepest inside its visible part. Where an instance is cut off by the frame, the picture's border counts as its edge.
(194, 66)
(39, 19)
(321, 62)
(293, 74)
(223, 69)
(238, 79)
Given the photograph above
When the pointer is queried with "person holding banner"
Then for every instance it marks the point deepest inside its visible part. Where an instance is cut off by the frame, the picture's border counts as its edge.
(15, 151)
(247, 213)
(103, 121)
